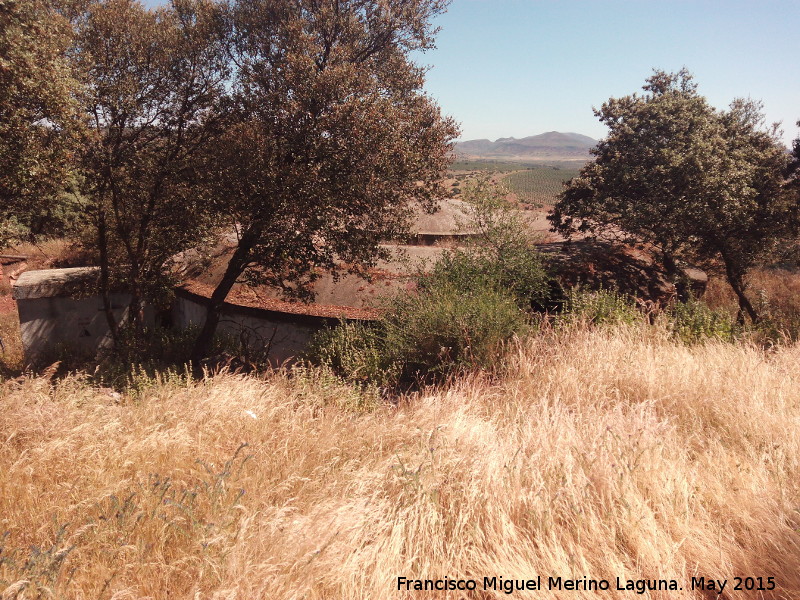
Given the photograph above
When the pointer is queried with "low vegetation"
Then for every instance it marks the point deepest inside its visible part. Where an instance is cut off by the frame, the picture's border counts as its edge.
(602, 452)
(491, 425)
(467, 305)
(488, 165)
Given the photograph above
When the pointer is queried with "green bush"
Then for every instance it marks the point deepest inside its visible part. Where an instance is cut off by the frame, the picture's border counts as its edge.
(501, 253)
(353, 351)
(600, 307)
(471, 302)
(694, 321)
(422, 337)
(517, 271)
(444, 329)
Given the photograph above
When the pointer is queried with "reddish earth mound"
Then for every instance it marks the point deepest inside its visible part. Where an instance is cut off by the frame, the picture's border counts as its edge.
(7, 305)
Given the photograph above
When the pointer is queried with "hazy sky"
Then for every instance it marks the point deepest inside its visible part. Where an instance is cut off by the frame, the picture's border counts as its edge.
(522, 67)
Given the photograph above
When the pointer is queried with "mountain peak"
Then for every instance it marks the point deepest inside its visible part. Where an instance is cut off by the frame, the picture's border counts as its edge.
(552, 145)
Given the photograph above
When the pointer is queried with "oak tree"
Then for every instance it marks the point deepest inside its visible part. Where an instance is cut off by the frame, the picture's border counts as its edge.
(37, 111)
(152, 80)
(330, 140)
(691, 182)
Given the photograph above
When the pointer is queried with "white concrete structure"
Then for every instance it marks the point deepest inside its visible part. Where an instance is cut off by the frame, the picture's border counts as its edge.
(59, 312)
(282, 336)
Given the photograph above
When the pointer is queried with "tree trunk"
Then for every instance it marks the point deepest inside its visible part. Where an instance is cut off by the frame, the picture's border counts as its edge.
(744, 304)
(236, 266)
(136, 312)
(677, 277)
(102, 242)
(735, 280)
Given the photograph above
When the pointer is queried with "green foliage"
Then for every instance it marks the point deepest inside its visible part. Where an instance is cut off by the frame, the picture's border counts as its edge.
(331, 143)
(692, 182)
(501, 255)
(354, 351)
(153, 81)
(599, 307)
(540, 185)
(444, 329)
(37, 116)
(521, 274)
(472, 301)
(693, 321)
(12, 230)
(689, 322)
(424, 336)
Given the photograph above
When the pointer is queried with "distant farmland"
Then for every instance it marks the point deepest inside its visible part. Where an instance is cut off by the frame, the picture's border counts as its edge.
(479, 164)
(538, 185)
(533, 183)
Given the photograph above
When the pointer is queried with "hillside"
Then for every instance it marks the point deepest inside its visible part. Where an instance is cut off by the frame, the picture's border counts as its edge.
(600, 454)
(550, 145)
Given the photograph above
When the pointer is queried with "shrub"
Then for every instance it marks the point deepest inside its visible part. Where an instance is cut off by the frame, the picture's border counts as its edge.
(353, 351)
(694, 321)
(425, 336)
(502, 253)
(469, 304)
(600, 307)
(518, 271)
(444, 329)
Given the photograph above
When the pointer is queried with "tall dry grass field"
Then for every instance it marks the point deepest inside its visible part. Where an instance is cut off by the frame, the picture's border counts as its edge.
(601, 454)
(11, 358)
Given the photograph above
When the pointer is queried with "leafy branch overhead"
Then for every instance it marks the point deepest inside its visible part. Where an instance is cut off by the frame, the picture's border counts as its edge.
(37, 112)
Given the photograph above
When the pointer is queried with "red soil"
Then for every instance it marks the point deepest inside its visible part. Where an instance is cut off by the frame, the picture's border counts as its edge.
(7, 305)
(248, 297)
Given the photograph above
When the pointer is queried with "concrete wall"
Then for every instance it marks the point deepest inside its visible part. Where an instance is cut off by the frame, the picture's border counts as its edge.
(283, 335)
(57, 315)
(49, 326)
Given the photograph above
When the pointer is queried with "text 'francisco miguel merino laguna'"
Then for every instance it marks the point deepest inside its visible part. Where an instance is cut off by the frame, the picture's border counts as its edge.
(509, 586)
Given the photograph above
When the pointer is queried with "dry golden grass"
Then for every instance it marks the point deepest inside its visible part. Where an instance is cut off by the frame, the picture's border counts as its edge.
(46, 254)
(11, 358)
(602, 453)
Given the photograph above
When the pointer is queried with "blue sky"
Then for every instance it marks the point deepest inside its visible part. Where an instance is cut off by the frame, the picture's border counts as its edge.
(521, 67)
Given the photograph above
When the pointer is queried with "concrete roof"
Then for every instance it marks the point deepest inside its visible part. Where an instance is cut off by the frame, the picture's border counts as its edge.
(332, 295)
(49, 283)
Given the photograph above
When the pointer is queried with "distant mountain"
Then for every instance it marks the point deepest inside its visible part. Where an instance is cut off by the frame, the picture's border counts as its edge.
(546, 145)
